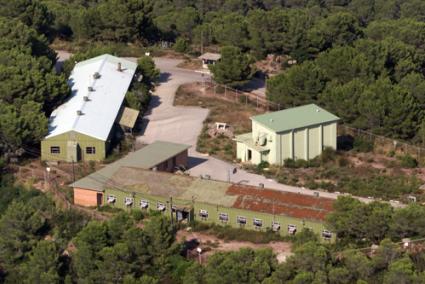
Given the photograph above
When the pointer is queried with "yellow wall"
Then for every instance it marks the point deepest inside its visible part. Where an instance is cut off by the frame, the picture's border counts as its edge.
(305, 143)
(299, 144)
(315, 143)
(82, 140)
(329, 135)
(261, 131)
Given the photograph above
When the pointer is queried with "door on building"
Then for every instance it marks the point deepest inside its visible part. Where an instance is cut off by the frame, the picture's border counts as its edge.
(249, 155)
(99, 199)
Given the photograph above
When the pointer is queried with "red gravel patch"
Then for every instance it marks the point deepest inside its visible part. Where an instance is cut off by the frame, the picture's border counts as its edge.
(279, 202)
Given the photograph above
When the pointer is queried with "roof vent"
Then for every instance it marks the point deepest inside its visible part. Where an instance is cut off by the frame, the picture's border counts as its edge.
(79, 112)
(91, 89)
(96, 75)
(317, 110)
(119, 68)
(86, 98)
(271, 119)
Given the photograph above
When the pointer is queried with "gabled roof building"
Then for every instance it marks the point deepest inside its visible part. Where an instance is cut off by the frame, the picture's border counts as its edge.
(81, 128)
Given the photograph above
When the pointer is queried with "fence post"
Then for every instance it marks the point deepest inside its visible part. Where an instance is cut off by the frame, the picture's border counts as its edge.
(246, 99)
(225, 91)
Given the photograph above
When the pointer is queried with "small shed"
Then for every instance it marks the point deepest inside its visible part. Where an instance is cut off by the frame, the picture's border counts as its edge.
(128, 119)
(209, 59)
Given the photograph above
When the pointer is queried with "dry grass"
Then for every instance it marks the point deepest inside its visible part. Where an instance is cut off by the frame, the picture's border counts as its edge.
(222, 110)
(191, 64)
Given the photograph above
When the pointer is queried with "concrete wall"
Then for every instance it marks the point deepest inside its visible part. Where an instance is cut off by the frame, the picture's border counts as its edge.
(260, 131)
(315, 142)
(86, 197)
(82, 141)
(213, 212)
(306, 143)
(242, 154)
(330, 135)
(300, 141)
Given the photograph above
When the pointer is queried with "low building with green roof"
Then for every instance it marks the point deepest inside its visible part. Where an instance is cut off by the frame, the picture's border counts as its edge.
(296, 133)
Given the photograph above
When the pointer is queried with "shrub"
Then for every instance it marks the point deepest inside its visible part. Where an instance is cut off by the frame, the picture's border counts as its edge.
(362, 145)
(408, 161)
(328, 155)
(343, 162)
(181, 45)
(261, 166)
(289, 163)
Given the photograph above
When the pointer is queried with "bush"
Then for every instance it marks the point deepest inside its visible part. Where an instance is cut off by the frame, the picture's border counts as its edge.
(181, 45)
(300, 163)
(230, 233)
(343, 162)
(328, 155)
(261, 166)
(408, 161)
(362, 145)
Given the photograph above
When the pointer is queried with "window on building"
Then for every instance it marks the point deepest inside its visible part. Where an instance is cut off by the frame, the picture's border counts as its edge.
(241, 220)
(160, 206)
(275, 226)
(111, 199)
(90, 150)
(144, 204)
(292, 229)
(258, 223)
(223, 217)
(128, 201)
(203, 214)
(55, 150)
(326, 235)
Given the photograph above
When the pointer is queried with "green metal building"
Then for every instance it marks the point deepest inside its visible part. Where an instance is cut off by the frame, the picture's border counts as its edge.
(190, 198)
(82, 128)
(295, 133)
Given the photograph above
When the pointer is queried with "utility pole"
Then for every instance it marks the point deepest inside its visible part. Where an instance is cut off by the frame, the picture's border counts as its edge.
(73, 171)
(202, 28)
(171, 210)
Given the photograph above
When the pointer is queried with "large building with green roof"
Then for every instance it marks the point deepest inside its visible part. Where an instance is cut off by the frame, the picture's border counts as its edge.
(296, 133)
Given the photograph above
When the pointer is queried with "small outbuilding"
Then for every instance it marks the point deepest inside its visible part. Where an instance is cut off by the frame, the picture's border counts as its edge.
(296, 133)
(209, 59)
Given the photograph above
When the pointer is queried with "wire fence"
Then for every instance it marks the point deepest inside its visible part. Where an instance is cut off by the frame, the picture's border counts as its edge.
(258, 100)
(384, 144)
(381, 144)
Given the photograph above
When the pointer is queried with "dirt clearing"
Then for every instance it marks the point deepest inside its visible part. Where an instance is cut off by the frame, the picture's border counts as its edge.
(211, 244)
